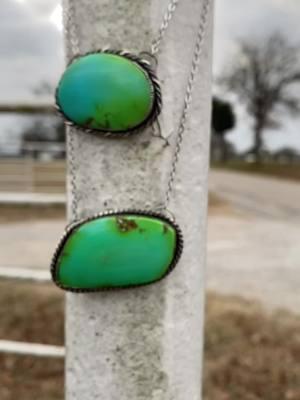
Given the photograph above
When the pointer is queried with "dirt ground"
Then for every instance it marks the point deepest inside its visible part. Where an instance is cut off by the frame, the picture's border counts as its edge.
(35, 315)
(249, 354)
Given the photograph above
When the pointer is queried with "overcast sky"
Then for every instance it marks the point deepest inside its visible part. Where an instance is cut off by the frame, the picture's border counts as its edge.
(31, 49)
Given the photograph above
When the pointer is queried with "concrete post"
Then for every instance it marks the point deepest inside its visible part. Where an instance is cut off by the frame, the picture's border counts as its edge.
(146, 343)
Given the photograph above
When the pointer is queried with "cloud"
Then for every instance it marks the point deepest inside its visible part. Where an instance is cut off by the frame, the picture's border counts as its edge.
(30, 48)
(43, 8)
(237, 19)
(31, 52)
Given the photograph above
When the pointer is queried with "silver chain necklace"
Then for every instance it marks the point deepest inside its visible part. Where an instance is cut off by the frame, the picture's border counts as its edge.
(155, 48)
(127, 221)
(74, 49)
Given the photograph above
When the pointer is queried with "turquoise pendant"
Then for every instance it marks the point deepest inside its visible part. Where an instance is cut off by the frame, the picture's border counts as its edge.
(116, 250)
(109, 92)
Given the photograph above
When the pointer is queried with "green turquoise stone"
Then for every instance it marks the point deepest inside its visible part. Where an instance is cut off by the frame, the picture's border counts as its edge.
(105, 92)
(116, 251)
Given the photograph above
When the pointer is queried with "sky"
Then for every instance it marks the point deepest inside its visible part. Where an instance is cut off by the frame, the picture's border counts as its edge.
(238, 19)
(31, 52)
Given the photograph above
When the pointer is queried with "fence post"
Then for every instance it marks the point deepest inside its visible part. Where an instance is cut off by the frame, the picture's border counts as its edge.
(144, 343)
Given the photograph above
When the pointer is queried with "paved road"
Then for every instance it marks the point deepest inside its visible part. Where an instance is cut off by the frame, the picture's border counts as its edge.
(256, 253)
(256, 258)
(264, 196)
(29, 244)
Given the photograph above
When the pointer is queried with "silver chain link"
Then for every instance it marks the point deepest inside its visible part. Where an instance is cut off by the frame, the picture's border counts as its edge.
(72, 173)
(74, 48)
(187, 100)
(156, 44)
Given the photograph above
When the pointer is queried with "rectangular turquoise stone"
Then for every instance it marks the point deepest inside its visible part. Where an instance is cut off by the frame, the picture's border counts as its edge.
(115, 251)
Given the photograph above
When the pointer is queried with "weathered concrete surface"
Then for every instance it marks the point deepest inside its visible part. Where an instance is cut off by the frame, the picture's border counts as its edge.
(261, 195)
(146, 343)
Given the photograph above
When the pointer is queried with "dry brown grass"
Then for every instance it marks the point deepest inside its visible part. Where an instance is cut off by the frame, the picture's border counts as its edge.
(249, 355)
(273, 169)
(18, 213)
(35, 314)
(219, 206)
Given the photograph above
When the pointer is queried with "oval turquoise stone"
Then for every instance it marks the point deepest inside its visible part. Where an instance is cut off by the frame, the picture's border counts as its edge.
(105, 92)
(116, 251)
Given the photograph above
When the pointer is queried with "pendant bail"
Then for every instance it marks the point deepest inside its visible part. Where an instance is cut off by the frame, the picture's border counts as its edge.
(150, 58)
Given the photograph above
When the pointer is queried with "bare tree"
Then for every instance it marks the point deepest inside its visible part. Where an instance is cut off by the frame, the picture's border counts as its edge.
(262, 77)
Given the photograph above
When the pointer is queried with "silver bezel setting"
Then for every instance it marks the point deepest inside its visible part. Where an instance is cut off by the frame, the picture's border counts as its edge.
(150, 74)
(70, 229)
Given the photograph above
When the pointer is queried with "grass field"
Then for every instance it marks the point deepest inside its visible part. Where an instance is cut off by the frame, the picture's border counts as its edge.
(283, 171)
(249, 355)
